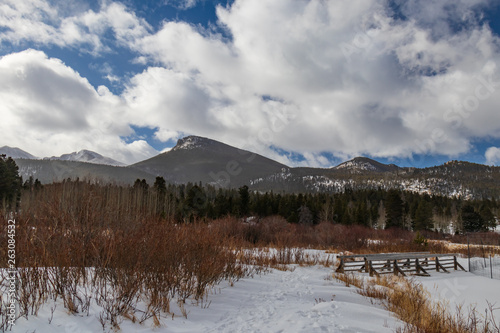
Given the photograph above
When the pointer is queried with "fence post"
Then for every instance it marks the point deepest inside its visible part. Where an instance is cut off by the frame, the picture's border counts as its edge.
(468, 251)
(484, 253)
(491, 268)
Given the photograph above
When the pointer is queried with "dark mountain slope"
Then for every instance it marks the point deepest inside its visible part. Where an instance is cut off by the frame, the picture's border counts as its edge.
(48, 171)
(196, 159)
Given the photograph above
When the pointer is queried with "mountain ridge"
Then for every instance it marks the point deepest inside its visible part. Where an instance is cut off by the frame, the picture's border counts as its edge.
(191, 142)
(15, 152)
(49, 171)
(197, 159)
(88, 156)
(361, 163)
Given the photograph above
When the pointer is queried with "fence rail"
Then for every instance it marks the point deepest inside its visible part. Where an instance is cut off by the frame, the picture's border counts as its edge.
(483, 255)
(399, 263)
(487, 267)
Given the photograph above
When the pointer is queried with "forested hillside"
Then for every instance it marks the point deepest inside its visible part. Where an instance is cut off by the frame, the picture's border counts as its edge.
(452, 179)
(371, 207)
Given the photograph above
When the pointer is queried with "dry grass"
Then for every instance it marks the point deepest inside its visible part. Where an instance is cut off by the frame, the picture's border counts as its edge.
(411, 303)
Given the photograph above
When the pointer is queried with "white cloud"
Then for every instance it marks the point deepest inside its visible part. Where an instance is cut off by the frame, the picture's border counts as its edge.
(41, 23)
(165, 135)
(136, 151)
(49, 109)
(343, 77)
(316, 160)
(394, 95)
(492, 156)
(107, 70)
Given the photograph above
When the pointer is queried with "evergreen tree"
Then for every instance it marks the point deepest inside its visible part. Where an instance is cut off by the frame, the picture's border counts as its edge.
(471, 220)
(244, 200)
(423, 216)
(222, 204)
(338, 209)
(487, 216)
(362, 214)
(141, 185)
(160, 185)
(10, 181)
(305, 215)
(29, 183)
(195, 202)
(394, 209)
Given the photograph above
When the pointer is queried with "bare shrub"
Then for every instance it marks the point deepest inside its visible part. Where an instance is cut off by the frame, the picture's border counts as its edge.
(77, 240)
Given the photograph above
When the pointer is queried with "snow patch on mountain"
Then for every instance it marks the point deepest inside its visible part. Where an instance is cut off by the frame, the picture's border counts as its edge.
(319, 184)
(16, 153)
(190, 142)
(87, 156)
(361, 164)
(284, 175)
(357, 165)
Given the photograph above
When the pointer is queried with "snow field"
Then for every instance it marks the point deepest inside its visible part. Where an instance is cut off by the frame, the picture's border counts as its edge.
(299, 299)
(464, 289)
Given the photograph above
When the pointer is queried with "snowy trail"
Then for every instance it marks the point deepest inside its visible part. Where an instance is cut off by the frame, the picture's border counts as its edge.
(306, 299)
(277, 307)
(298, 301)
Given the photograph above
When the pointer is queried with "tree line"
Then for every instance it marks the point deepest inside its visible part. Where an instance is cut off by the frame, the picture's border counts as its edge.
(376, 208)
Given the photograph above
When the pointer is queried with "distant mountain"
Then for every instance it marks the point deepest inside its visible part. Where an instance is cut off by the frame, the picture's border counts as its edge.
(452, 179)
(196, 159)
(48, 171)
(363, 164)
(16, 153)
(86, 156)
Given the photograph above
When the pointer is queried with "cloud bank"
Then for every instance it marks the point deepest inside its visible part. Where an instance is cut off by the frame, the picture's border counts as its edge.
(379, 78)
(48, 108)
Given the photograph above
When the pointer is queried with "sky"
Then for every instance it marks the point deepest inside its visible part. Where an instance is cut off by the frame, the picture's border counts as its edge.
(307, 83)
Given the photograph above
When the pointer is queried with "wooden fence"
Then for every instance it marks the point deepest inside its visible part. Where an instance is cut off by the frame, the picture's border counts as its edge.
(399, 263)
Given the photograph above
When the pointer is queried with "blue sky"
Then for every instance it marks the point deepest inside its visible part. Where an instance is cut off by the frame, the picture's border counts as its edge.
(309, 83)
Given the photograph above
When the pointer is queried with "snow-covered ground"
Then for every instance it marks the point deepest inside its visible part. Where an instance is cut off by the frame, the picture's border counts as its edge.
(302, 299)
(306, 299)
(464, 289)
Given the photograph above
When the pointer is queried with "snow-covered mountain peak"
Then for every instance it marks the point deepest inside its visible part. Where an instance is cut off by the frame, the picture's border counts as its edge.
(191, 142)
(357, 164)
(87, 156)
(16, 153)
(360, 164)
